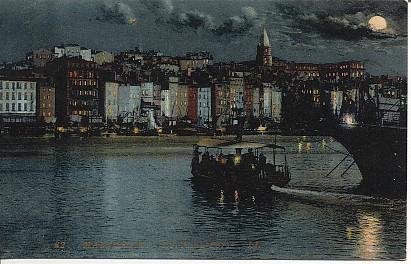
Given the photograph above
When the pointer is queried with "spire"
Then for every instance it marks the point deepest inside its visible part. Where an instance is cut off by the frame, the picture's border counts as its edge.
(265, 41)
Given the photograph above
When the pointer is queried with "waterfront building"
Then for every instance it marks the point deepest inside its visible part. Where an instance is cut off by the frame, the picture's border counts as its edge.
(204, 116)
(169, 67)
(111, 101)
(248, 99)
(237, 85)
(276, 104)
(169, 98)
(267, 91)
(221, 104)
(263, 57)
(180, 107)
(122, 102)
(129, 102)
(46, 95)
(334, 72)
(195, 61)
(102, 57)
(41, 57)
(77, 93)
(272, 102)
(336, 99)
(72, 50)
(157, 100)
(151, 99)
(18, 100)
(304, 71)
(147, 93)
(192, 103)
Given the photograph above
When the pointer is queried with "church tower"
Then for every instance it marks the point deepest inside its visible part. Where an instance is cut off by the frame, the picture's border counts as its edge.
(264, 57)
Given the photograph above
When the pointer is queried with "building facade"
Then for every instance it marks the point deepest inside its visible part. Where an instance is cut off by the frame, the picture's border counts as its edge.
(18, 100)
(46, 95)
(192, 103)
(129, 102)
(41, 57)
(77, 93)
(111, 101)
(204, 116)
(102, 57)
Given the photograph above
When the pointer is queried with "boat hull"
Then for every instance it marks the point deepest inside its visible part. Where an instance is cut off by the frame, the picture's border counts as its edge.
(252, 183)
(381, 156)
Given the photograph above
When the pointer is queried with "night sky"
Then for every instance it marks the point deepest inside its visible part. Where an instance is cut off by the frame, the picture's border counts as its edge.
(303, 31)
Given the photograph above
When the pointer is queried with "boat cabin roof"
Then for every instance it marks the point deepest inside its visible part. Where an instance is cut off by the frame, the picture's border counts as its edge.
(228, 144)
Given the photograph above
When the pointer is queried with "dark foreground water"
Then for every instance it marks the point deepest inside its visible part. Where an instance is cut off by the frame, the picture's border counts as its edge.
(135, 200)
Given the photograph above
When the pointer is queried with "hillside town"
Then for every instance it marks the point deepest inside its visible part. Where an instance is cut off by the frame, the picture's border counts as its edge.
(70, 88)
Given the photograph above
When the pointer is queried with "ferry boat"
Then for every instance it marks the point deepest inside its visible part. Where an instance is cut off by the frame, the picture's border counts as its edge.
(238, 165)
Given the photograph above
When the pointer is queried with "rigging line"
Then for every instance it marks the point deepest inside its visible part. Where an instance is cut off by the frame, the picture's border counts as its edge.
(346, 156)
(352, 163)
(338, 151)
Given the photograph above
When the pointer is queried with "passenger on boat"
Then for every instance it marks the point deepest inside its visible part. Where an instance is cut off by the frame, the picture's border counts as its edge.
(221, 159)
(195, 162)
(262, 160)
(205, 163)
(229, 167)
(247, 162)
(213, 165)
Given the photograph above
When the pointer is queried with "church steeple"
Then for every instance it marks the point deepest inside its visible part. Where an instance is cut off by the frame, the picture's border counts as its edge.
(264, 57)
(265, 41)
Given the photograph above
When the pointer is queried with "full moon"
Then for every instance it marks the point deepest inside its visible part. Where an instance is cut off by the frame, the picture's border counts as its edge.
(377, 23)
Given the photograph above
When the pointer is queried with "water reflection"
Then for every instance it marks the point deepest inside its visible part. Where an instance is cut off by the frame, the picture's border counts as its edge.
(369, 236)
(134, 194)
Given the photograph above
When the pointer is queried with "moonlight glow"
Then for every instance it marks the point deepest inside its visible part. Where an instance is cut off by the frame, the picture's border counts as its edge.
(377, 23)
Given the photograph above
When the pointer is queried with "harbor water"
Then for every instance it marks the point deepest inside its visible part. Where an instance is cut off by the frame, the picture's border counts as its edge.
(134, 199)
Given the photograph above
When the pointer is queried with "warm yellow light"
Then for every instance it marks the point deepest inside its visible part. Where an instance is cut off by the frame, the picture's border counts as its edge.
(132, 21)
(236, 196)
(377, 23)
(261, 129)
(221, 198)
(348, 119)
(300, 147)
(237, 160)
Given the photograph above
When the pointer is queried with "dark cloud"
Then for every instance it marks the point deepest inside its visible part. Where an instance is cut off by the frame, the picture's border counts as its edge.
(222, 27)
(118, 13)
(161, 8)
(237, 25)
(347, 26)
(193, 19)
(234, 25)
